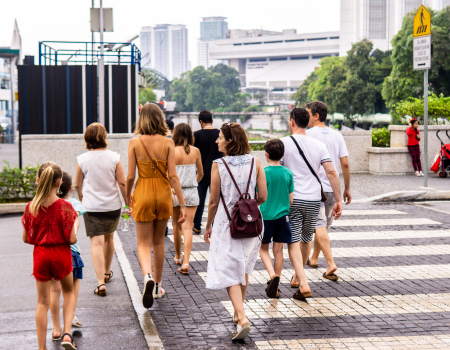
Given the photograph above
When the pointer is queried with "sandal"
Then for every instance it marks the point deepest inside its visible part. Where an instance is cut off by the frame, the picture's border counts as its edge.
(178, 261)
(110, 275)
(57, 338)
(101, 293)
(294, 285)
(241, 332)
(272, 290)
(183, 270)
(302, 296)
(331, 277)
(68, 345)
(309, 263)
(76, 323)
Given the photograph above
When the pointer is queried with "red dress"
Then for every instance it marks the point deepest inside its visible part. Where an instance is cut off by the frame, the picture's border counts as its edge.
(49, 231)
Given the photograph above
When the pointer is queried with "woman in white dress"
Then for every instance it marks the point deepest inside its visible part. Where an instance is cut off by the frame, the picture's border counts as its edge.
(232, 260)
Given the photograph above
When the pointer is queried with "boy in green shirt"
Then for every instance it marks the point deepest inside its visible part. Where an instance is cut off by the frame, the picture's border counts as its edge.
(275, 212)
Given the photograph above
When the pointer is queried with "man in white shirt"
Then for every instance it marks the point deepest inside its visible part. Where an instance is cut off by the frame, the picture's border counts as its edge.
(307, 193)
(338, 152)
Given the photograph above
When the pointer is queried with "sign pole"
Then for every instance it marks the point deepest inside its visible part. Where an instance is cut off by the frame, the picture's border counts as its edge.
(425, 127)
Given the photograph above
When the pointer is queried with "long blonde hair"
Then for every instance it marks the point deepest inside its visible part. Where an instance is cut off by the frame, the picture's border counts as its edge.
(49, 173)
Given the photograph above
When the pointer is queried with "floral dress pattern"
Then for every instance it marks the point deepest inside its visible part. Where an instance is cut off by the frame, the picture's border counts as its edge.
(188, 180)
(230, 259)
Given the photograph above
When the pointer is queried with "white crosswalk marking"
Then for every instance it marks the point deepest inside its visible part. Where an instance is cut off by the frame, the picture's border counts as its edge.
(363, 251)
(344, 306)
(385, 222)
(358, 274)
(348, 212)
(195, 238)
(398, 342)
(352, 236)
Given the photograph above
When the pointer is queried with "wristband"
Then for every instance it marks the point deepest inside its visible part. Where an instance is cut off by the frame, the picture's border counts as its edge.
(182, 206)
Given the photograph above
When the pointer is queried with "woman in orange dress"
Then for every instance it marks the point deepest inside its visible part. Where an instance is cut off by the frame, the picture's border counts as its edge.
(151, 202)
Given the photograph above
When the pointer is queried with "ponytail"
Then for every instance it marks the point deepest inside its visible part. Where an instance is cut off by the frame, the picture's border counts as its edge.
(48, 174)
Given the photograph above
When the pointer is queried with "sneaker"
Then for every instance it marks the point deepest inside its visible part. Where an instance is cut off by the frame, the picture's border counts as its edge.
(147, 295)
(161, 293)
(421, 173)
(417, 173)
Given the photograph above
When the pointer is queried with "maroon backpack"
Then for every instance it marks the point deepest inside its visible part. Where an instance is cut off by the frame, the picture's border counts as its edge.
(246, 219)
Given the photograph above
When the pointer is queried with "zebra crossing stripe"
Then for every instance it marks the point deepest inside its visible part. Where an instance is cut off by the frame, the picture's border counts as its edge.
(357, 252)
(397, 342)
(353, 274)
(344, 306)
(349, 212)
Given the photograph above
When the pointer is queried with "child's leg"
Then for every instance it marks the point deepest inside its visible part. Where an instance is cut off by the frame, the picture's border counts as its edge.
(266, 259)
(43, 304)
(69, 303)
(55, 294)
(278, 257)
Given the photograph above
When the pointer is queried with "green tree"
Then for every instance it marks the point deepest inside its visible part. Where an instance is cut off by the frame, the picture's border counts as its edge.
(240, 103)
(197, 88)
(438, 107)
(178, 92)
(146, 95)
(404, 82)
(230, 82)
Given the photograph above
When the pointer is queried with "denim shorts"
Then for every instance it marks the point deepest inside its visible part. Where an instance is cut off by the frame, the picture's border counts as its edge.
(78, 265)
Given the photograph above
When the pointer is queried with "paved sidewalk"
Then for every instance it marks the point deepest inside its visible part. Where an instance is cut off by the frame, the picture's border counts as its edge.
(393, 292)
(109, 323)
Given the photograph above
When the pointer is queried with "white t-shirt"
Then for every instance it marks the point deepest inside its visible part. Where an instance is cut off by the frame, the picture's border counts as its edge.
(306, 185)
(100, 188)
(336, 148)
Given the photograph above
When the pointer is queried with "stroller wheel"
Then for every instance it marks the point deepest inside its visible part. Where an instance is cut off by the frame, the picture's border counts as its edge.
(442, 174)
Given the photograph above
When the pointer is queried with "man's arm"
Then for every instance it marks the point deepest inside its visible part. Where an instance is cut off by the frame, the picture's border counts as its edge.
(334, 182)
(346, 174)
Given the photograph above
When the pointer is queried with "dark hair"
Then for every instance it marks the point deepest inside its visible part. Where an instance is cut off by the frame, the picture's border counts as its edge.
(318, 107)
(170, 124)
(413, 121)
(275, 149)
(300, 117)
(182, 136)
(151, 121)
(205, 117)
(239, 141)
(95, 136)
(65, 185)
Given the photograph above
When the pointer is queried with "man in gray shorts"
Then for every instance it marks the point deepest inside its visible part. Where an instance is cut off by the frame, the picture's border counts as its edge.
(338, 153)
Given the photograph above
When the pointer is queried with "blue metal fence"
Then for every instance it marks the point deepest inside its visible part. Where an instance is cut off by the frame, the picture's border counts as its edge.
(88, 53)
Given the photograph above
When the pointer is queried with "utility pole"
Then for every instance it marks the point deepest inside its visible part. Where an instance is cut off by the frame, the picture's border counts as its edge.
(101, 73)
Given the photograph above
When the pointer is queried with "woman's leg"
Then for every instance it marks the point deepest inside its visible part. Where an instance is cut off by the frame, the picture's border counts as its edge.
(43, 304)
(108, 251)
(55, 294)
(69, 304)
(243, 292)
(413, 151)
(187, 232)
(98, 259)
(76, 288)
(159, 227)
(237, 296)
(176, 232)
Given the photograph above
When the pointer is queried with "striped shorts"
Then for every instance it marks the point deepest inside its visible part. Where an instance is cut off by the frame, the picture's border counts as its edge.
(303, 217)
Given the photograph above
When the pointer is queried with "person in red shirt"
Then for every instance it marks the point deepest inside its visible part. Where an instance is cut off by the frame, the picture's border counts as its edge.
(413, 145)
(50, 224)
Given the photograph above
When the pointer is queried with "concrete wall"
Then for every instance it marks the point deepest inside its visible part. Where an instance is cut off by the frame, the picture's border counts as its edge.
(357, 143)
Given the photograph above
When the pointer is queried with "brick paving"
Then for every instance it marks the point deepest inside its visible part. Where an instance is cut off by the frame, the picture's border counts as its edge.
(393, 293)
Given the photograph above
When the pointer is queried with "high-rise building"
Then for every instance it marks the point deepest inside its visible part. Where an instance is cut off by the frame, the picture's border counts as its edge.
(211, 29)
(164, 48)
(377, 20)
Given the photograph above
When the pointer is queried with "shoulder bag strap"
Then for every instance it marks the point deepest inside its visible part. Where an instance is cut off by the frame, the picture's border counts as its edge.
(307, 163)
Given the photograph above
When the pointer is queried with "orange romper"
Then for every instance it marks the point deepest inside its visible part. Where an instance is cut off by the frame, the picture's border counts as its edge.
(152, 196)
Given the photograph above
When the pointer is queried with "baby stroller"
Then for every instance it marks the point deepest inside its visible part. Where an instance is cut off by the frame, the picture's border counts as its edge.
(442, 160)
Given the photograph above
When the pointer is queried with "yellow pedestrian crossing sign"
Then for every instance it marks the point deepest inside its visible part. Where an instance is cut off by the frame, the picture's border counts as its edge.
(422, 22)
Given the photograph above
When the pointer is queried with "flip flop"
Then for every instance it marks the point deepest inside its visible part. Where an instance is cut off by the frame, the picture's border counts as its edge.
(57, 338)
(272, 287)
(178, 261)
(241, 332)
(309, 263)
(331, 277)
(110, 275)
(294, 285)
(68, 345)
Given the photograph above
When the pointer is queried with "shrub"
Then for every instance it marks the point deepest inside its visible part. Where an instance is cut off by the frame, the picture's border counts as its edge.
(16, 184)
(381, 137)
(256, 147)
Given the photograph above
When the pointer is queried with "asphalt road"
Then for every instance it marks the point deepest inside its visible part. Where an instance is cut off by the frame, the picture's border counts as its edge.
(109, 323)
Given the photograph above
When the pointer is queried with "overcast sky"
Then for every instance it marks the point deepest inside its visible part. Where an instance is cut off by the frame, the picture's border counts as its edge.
(41, 20)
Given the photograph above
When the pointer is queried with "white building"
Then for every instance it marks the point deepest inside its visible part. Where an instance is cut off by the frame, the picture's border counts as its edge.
(211, 29)
(164, 48)
(377, 20)
(277, 64)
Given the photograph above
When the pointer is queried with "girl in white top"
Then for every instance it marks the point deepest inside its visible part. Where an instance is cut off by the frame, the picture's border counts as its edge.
(99, 181)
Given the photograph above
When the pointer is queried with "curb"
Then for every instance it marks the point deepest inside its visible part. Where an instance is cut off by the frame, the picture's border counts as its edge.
(12, 208)
(145, 320)
(407, 196)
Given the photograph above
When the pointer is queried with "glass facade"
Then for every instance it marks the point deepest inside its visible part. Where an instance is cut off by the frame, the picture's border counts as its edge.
(377, 19)
(411, 5)
(213, 28)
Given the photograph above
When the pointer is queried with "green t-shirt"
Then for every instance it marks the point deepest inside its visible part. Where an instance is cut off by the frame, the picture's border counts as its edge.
(280, 183)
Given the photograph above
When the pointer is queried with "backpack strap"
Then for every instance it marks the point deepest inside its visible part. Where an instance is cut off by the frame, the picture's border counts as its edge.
(231, 175)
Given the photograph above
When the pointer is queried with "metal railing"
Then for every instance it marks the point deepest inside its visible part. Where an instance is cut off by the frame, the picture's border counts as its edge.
(88, 53)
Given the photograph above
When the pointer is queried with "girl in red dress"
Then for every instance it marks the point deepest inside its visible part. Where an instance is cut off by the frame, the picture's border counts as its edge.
(50, 224)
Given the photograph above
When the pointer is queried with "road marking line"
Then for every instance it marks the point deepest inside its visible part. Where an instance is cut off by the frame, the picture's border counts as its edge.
(373, 212)
(352, 274)
(356, 252)
(370, 235)
(145, 319)
(385, 222)
(400, 342)
(344, 306)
